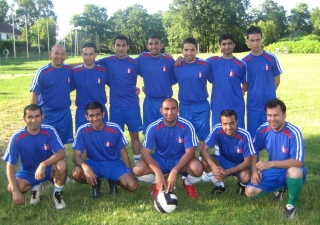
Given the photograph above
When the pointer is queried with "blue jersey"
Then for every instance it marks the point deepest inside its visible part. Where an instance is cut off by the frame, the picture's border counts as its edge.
(33, 149)
(170, 142)
(228, 75)
(53, 86)
(90, 85)
(192, 79)
(261, 72)
(233, 149)
(285, 144)
(157, 74)
(122, 80)
(103, 145)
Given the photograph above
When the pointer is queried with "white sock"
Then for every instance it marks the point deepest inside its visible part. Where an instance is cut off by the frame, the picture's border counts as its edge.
(136, 158)
(215, 181)
(35, 187)
(149, 178)
(190, 180)
(57, 188)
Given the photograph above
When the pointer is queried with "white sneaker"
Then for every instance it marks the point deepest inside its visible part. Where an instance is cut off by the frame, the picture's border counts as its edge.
(204, 177)
(58, 201)
(35, 195)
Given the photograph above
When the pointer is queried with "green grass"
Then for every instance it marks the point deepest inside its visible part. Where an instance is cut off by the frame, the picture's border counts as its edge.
(299, 89)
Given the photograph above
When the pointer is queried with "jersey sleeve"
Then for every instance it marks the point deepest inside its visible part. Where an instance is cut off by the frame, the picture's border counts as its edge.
(297, 145)
(212, 138)
(55, 141)
(258, 141)
(36, 82)
(101, 62)
(172, 73)
(248, 147)
(149, 139)
(243, 76)
(12, 153)
(190, 139)
(276, 70)
(79, 143)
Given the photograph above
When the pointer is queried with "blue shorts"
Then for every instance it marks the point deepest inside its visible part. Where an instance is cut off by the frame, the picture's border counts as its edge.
(62, 121)
(225, 164)
(126, 115)
(199, 115)
(166, 165)
(151, 111)
(274, 178)
(29, 176)
(216, 120)
(81, 117)
(111, 170)
(254, 120)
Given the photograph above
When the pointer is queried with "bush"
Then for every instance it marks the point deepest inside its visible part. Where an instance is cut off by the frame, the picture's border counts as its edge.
(307, 45)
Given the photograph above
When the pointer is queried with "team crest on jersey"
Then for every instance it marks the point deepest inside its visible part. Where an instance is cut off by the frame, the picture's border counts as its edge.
(108, 144)
(46, 147)
(232, 73)
(129, 70)
(68, 80)
(284, 149)
(180, 140)
(99, 80)
(239, 150)
(164, 69)
(267, 67)
(200, 74)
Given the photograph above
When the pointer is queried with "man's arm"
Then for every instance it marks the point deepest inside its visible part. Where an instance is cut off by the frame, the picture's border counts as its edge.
(88, 172)
(17, 195)
(256, 175)
(204, 153)
(33, 98)
(245, 88)
(263, 165)
(125, 157)
(240, 167)
(276, 81)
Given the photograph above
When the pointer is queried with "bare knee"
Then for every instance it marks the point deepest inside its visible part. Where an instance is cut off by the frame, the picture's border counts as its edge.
(77, 173)
(60, 167)
(128, 182)
(244, 176)
(196, 168)
(139, 169)
(294, 172)
(252, 191)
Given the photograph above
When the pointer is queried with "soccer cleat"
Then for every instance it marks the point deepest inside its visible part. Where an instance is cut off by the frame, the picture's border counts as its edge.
(96, 190)
(113, 187)
(155, 191)
(289, 211)
(191, 190)
(58, 201)
(217, 190)
(278, 195)
(241, 188)
(35, 195)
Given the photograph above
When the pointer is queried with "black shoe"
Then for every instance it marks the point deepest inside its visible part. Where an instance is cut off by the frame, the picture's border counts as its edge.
(241, 188)
(289, 211)
(217, 190)
(113, 187)
(96, 190)
(278, 195)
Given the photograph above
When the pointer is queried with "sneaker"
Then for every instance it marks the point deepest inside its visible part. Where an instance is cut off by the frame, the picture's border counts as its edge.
(278, 195)
(58, 201)
(96, 190)
(113, 187)
(289, 211)
(191, 190)
(155, 191)
(218, 190)
(35, 195)
(241, 188)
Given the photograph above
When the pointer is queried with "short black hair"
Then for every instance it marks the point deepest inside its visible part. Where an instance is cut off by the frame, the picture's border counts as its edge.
(253, 30)
(121, 37)
(225, 37)
(273, 103)
(31, 107)
(228, 113)
(170, 100)
(154, 37)
(94, 105)
(190, 40)
(89, 45)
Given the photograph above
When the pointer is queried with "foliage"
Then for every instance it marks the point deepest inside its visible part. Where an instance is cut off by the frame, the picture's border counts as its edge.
(4, 7)
(315, 21)
(300, 18)
(303, 46)
(269, 33)
(41, 26)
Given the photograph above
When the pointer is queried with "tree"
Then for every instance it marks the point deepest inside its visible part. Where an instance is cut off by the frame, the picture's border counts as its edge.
(43, 35)
(268, 31)
(300, 18)
(315, 21)
(4, 7)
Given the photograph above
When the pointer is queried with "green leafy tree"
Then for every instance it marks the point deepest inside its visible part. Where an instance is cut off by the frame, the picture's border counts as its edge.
(4, 7)
(41, 26)
(315, 21)
(300, 18)
(269, 33)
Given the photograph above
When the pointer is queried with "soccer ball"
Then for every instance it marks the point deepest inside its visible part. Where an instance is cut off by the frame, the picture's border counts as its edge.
(165, 202)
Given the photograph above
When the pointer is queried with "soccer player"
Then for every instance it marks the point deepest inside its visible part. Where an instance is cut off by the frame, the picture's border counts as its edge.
(41, 154)
(192, 75)
(50, 89)
(229, 73)
(285, 168)
(124, 102)
(174, 142)
(89, 80)
(236, 151)
(104, 143)
(263, 79)
(157, 72)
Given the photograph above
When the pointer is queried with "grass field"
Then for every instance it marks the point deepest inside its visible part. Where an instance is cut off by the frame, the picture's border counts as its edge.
(299, 89)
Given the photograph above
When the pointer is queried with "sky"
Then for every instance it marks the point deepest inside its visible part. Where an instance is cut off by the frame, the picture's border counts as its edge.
(66, 9)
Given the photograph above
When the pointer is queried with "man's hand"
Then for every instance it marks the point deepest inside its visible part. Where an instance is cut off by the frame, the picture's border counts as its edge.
(256, 177)
(160, 182)
(40, 172)
(91, 177)
(218, 173)
(137, 91)
(178, 61)
(18, 198)
(262, 165)
(172, 180)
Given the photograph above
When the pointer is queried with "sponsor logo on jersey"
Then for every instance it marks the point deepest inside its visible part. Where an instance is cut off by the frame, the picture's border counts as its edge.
(46, 147)
(232, 73)
(180, 140)
(108, 144)
(284, 149)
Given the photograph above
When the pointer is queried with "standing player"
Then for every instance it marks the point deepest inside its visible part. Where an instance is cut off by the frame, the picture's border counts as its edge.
(263, 79)
(89, 80)
(284, 143)
(124, 103)
(157, 72)
(41, 158)
(192, 75)
(50, 89)
(228, 75)
(105, 144)
(175, 142)
(236, 151)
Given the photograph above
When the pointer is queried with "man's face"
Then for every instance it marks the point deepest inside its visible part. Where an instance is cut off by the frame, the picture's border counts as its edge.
(33, 120)
(227, 47)
(58, 55)
(121, 47)
(95, 116)
(255, 42)
(229, 125)
(154, 46)
(276, 118)
(89, 55)
(169, 110)
(189, 52)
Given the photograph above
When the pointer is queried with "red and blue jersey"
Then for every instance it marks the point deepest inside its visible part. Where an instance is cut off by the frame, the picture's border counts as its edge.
(192, 79)
(122, 80)
(53, 86)
(157, 74)
(32, 149)
(103, 145)
(170, 142)
(285, 144)
(262, 70)
(233, 149)
(90, 85)
(228, 75)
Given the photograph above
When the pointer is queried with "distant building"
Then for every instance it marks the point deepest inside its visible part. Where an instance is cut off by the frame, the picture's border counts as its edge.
(6, 32)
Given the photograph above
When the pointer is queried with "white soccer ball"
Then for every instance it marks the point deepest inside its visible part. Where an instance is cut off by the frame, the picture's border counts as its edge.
(165, 202)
